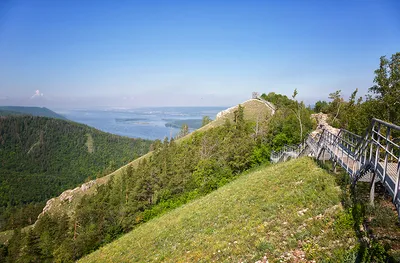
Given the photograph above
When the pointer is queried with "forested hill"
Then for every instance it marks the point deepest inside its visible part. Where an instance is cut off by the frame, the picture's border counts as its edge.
(34, 111)
(41, 157)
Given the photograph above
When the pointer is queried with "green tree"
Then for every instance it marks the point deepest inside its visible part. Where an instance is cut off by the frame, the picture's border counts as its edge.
(14, 246)
(284, 127)
(209, 174)
(183, 132)
(239, 117)
(31, 251)
(3, 253)
(321, 106)
(297, 109)
(206, 120)
(387, 87)
(335, 106)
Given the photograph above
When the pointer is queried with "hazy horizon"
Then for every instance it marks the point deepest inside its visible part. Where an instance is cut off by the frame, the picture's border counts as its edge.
(178, 53)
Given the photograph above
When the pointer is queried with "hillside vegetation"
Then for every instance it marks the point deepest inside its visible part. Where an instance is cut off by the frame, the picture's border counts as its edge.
(41, 157)
(34, 111)
(249, 108)
(288, 211)
(174, 173)
(254, 111)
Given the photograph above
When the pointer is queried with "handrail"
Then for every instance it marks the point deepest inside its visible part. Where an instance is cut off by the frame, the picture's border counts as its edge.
(388, 124)
(269, 104)
(292, 151)
(375, 151)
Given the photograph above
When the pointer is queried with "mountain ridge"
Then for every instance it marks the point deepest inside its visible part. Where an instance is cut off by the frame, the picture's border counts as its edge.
(27, 110)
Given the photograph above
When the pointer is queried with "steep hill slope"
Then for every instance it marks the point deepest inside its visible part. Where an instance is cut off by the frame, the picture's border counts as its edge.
(34, 111)
(288, 211)
(41, 157)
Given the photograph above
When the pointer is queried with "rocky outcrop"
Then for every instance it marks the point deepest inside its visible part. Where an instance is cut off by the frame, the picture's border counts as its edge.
(67, 196)
(232, 109)
(322, 124)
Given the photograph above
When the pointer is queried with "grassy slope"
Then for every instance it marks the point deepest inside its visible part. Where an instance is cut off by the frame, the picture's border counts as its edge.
(253, 110)
(289, 207)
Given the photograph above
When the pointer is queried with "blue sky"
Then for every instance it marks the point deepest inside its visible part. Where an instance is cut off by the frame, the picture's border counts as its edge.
(148, 53)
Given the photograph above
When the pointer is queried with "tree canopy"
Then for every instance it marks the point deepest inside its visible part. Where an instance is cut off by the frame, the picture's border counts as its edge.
(41, 157)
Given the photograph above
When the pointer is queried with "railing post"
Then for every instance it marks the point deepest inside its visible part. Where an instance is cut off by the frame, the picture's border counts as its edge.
(355, 164)
(397, 186)
(372, 148)
(372, 190)
(386, 154)
(378, 146)
(341, 151)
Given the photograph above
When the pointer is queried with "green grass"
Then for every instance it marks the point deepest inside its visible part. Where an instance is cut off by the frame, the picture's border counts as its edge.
(254, 110)
(377, 227)
(381, 220)
(283, 211)
(5, 236)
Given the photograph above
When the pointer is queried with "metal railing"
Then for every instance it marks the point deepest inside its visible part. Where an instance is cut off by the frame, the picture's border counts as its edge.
(377, 153)
(269, 104)
(288, 152)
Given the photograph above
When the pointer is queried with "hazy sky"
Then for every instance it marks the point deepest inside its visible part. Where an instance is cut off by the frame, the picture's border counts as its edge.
(146, 53)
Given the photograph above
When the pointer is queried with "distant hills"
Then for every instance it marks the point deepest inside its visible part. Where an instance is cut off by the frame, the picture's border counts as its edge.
(41, 157)
(34, 111)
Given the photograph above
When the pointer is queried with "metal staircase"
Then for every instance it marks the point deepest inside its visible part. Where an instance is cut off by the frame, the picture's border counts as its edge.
(288, 152)
(375, 156)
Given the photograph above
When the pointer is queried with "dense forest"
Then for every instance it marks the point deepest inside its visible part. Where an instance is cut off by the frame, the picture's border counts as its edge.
(41, 157)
